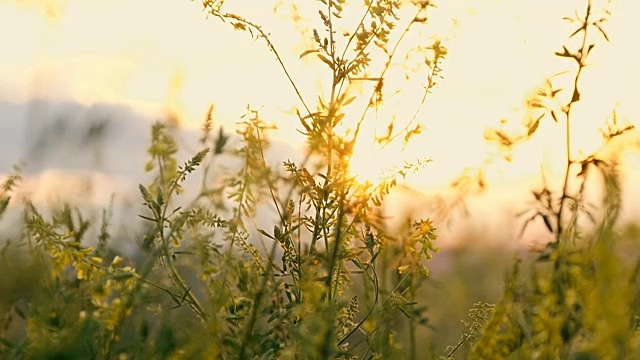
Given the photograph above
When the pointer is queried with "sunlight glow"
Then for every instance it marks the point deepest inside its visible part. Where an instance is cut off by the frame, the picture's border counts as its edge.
(168, 56)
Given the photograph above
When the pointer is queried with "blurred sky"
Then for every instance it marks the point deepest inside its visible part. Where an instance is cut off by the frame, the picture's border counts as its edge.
(139, 60)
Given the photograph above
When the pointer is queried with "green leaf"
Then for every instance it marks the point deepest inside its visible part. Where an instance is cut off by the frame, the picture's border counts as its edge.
(266, 234)
(307, 53)
(221, 141)
(348, 101)
(534, 126)
(147, 218)
(4, 203)
(547, 223)
(145, 193)
(565, 53)
(602, 32)
(582, 28)
(239, 26)
(326, 61)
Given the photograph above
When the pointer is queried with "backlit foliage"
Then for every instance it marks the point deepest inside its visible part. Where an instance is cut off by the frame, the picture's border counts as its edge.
(324, 280)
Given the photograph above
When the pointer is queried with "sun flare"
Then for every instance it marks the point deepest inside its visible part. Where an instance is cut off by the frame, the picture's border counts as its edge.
(70, 50)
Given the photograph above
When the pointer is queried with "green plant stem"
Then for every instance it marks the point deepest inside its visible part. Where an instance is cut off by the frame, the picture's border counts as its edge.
(333, 259)
(574, 99)
(236, 226)
(381, 76)
(167, 259)
(257, 28)
(265, 280)
(374, 279)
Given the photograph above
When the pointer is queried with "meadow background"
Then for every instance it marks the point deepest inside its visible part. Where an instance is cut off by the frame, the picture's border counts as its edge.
(82, 82)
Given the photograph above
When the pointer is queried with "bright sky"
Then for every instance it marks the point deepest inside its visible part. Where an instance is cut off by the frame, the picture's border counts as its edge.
(164, 54)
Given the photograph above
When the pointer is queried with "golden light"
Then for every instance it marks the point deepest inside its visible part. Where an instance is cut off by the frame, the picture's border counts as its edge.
(166, 56)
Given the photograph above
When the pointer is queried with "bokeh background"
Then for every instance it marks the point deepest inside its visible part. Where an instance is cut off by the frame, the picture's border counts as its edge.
(81, 81)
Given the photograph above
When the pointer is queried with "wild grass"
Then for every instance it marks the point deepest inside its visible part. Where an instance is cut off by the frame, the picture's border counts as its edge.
(325, 281)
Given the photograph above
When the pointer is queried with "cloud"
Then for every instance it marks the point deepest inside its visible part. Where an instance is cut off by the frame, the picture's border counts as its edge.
(94, 156)
(86, 69)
